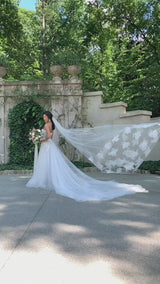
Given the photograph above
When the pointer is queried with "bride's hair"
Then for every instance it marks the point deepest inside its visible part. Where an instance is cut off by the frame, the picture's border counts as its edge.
(49, 115)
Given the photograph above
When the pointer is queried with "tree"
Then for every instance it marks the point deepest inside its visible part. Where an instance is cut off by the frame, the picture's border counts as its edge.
(26, 57)
(128, 63)
(10, 27)
(63, 27)
(117, 42)
(138, 59)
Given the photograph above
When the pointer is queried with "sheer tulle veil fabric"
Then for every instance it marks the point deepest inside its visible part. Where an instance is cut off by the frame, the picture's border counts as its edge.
(114, 148)
(54, 171)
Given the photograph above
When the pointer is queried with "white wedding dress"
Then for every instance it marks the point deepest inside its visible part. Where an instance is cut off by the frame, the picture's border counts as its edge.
(54, 171)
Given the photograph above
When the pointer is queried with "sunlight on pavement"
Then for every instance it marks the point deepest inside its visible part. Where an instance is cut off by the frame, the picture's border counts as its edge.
(150, 241)
(48, 267)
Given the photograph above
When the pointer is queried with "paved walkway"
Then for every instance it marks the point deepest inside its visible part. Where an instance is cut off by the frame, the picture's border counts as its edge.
(50, 239)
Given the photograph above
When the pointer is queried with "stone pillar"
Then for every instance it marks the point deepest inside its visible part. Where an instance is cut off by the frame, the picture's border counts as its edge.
(73, 104)
(66, 101)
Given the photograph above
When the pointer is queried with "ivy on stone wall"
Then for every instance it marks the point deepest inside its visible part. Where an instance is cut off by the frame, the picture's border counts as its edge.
(23, 118)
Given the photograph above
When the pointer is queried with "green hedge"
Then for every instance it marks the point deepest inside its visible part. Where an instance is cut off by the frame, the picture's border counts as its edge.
(151, 166)
(23, 118)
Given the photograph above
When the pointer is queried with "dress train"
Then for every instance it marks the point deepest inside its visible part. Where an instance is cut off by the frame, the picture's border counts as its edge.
(54, 171)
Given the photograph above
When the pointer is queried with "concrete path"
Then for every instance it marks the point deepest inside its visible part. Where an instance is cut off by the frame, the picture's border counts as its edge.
(50, 239)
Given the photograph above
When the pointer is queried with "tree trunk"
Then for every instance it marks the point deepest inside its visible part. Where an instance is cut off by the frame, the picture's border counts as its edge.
(43, 39)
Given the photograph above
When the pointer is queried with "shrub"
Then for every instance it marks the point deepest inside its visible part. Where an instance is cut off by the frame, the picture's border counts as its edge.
(22, 118)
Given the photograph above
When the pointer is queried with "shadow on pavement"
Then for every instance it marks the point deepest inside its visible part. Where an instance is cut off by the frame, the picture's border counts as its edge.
(124, 231)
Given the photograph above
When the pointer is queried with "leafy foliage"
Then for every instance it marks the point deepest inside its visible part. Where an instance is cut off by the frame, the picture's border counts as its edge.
(25, 58)
(4, 61)
(151, 166)
(23, 118)
(11, 28)
(117, 43)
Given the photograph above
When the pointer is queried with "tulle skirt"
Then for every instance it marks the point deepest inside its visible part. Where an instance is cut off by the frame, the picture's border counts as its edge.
(54, 171)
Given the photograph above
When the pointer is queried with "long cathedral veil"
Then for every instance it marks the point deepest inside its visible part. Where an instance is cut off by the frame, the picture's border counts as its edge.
(114, 148)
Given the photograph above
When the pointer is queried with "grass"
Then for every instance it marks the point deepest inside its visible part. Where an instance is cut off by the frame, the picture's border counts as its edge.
(151, 166)
(81, 164)
(4, 167)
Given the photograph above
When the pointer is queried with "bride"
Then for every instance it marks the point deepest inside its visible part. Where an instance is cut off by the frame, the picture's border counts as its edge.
(54, 171)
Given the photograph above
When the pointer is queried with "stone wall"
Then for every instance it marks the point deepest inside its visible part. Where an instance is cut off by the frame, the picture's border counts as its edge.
(69, 104)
